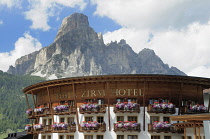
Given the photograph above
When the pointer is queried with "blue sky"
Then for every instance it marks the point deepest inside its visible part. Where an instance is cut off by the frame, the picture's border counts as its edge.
(178, 30)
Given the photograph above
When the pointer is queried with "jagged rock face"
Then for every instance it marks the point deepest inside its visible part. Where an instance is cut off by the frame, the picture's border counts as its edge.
(79, 51)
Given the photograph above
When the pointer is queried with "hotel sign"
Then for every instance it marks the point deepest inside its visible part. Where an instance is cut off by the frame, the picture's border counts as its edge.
(115, 92)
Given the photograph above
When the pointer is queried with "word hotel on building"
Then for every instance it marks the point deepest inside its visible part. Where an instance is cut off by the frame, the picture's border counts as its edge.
(119, 107)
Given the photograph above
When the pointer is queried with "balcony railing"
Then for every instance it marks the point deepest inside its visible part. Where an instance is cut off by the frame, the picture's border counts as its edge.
(126, 108)
(161, 108)
(41, 112)
(89, 127)
(64, 109)
(64, 129)
(91, 108)
(123, 126)
(196, 109)
(169, 129)
(52, 128)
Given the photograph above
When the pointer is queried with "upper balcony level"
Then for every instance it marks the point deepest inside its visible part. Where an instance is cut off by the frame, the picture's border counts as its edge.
(122, 107)
(165, 127)
(91, 126)
(92, 108)
(130, 126)
(55, 128)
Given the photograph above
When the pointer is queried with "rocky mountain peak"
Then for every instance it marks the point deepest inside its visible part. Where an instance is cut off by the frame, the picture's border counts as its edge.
(79, 51)
(72, 22)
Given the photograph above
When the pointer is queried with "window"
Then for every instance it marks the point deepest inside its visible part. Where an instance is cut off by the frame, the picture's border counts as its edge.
(61, 137)
(71, 103)
(88, 136)
(43, 137)
(120, 118)
(155, 137)
(88, 118)
(132, 136)
(62, 120)
(50, 122)
(44, 122)
(100, 101)
(166, 119)
(154, 118)
(62, 102)
(70, 120)
(89, 100)
(49, 137)
(132, 100)
(120, 100)
(99, 137)
(132, 118)
(189, 137)
(120, 136)
(100, 119)
(70, 137)
(167, 137)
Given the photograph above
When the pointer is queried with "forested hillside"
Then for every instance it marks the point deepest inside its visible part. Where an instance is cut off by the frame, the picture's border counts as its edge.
(12, 100)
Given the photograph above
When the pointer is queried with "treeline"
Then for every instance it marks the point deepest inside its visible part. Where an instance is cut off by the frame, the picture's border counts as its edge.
(12, 100)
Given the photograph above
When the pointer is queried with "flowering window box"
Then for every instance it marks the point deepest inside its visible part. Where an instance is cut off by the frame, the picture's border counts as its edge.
(63, 127)
(159, 126)
(29, 112)
(127, 126)
(38, 127)
(198, 108)
(61, 108)
(126, 107)
(92, 126)
(161, 107)
(28, 128)
(92, 108)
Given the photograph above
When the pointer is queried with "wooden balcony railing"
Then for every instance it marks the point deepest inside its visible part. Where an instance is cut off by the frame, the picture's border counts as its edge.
(42, 112)
(193, 110)
(134, 127)
(67, 129)
(101, 127)
(51, 129)
(151, 109)
(69, 110)
(170, 129)
(135, 109)
(99, 109)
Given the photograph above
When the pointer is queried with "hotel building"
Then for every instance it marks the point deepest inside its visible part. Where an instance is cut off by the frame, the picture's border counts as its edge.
(119, 107)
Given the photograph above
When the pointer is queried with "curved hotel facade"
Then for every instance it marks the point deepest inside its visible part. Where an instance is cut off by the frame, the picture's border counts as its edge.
(118, 107)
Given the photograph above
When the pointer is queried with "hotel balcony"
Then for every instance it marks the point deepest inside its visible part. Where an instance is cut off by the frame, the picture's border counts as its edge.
(56, 128)
(126, 107)
(63, 128)
(161, 108)
(166, 129)
(92, 127)
(41, 112)
(92, 108)
(64, 110)
(127, 126)
(196, 109)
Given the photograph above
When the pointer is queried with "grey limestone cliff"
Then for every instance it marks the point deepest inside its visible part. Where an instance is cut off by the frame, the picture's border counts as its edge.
(79, 51)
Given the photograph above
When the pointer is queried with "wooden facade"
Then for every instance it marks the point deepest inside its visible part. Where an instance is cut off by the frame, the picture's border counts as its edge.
(108, 90)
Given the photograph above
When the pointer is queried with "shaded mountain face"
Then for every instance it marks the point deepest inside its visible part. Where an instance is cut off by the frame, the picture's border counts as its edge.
(79, 51)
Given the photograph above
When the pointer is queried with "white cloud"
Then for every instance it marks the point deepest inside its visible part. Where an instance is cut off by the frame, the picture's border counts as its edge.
(23, 46)
(186, 49)
(41, 10)
(1, 22)
(158, 14)
(11, 3)
(135, 38)
(178, 30)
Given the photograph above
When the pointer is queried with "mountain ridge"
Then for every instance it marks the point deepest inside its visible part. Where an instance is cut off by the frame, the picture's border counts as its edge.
(79, 51)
